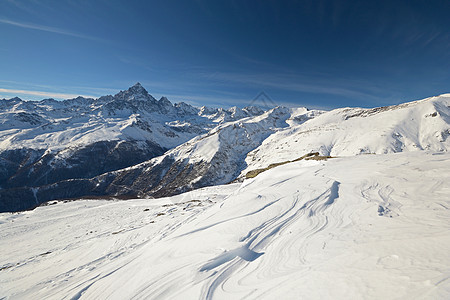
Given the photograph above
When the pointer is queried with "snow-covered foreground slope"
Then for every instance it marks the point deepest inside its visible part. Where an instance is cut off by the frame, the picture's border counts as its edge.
(364, 227)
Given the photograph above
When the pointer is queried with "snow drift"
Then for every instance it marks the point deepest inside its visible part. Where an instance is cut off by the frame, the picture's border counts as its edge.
(362, 227)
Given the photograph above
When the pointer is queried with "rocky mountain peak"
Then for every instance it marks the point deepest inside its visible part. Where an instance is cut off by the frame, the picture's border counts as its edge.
(164, 100)
(15, 99)
(136, 92)
(137, 87)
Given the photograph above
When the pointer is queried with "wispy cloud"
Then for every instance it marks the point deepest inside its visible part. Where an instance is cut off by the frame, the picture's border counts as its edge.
(20, 85)
(223, 100)
(49, 29)
(301, 84)
(209, 100)
(205, 86)
(42, 94)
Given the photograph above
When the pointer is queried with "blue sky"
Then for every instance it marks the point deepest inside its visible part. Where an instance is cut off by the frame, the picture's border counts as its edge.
(319, 54)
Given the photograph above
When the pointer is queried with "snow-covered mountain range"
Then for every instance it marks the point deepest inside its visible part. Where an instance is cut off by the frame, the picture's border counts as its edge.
(48, 141)
(132, 145)
(130, 115)
(288, 203)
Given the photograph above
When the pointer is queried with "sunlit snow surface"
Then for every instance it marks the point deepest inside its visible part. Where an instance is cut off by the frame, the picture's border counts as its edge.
(364, 227)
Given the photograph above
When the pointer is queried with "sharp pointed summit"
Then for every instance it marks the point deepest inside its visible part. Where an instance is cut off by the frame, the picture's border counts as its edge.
(136, 92)
(137, 87)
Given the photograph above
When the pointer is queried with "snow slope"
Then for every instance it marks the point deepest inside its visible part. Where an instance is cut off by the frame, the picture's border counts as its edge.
(413, 126)
(236, 138)
(361, 227)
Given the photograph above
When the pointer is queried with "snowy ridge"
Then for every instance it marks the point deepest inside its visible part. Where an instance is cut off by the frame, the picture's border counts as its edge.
(413, 126)
(232, 141)
(220, 155)
(210, 159)
(46, 142)
(132, 114)
(239, 136)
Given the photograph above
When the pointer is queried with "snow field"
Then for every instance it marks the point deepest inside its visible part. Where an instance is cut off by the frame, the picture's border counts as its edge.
(364, 227)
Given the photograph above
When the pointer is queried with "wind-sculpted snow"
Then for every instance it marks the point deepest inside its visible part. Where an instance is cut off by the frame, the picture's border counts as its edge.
(306, 229)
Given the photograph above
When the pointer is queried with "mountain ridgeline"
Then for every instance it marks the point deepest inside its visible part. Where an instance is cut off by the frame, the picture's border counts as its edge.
(132, 145)
(51, 143)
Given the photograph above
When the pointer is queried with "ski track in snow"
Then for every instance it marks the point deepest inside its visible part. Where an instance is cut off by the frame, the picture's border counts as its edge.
(371, 226)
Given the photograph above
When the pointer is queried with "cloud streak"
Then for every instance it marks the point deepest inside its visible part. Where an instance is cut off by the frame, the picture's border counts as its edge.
(297, 84)
(42, 94)
(48, 29)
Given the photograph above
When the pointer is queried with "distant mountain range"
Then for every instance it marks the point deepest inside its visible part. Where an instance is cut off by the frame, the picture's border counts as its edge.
(132, 145)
